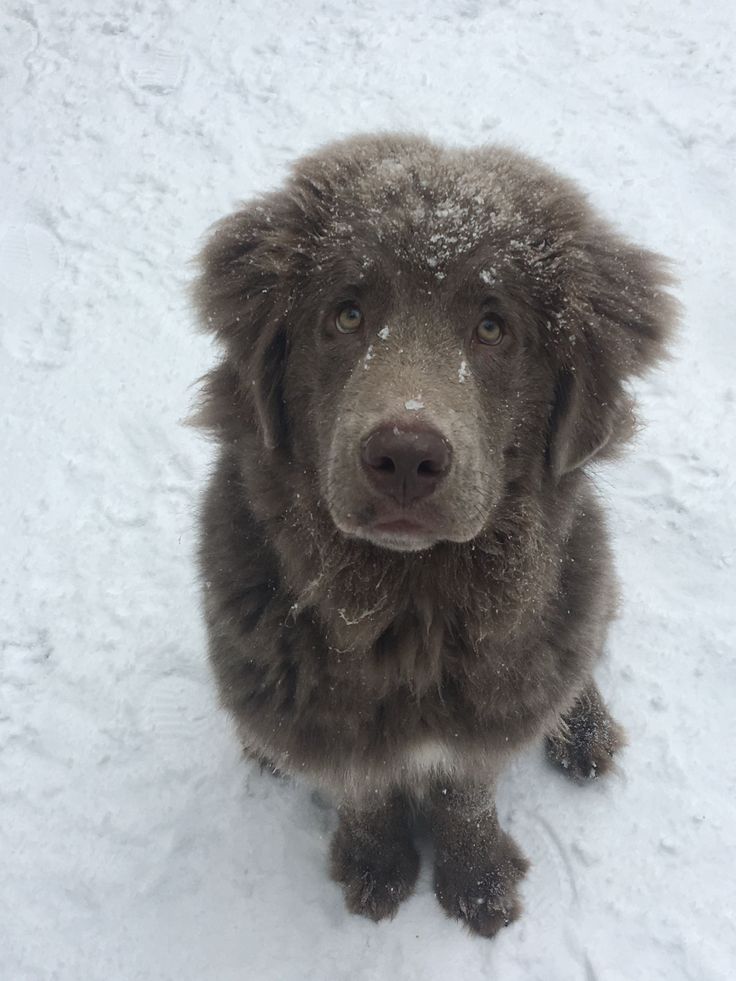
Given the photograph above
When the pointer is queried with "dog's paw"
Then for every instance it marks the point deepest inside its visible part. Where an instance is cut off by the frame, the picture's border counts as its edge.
(482, 894)
(375, 880)
(586, 745)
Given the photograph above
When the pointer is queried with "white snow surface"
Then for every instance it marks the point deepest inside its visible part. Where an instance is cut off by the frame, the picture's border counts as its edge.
(136, 843)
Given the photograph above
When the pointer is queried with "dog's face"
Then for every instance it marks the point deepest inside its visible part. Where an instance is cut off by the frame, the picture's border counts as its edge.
(411, 389)
(423, 332)
(413, 439)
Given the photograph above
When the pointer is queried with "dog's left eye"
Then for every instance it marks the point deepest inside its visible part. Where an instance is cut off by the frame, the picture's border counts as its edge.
(349, 319)
(490, 330)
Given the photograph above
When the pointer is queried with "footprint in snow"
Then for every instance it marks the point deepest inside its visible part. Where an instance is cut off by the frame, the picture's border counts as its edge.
(30, 260)
(552, 879)
(18, 38)
(181, 719)
(154, 70)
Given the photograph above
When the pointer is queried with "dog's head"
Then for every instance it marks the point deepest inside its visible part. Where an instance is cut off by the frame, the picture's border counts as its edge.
(419, 330)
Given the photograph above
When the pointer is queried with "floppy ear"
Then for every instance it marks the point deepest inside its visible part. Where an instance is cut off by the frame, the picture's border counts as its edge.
(580, 427)
(615, 323)
(242, 296)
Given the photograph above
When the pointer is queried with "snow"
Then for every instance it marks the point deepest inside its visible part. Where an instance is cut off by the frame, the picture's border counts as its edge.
(136, 842)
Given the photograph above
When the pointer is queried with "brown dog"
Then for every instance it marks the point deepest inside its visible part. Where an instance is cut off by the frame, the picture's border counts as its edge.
(407, 572)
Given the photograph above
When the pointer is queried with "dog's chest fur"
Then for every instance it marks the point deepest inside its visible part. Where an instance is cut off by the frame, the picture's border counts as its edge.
(350, 662)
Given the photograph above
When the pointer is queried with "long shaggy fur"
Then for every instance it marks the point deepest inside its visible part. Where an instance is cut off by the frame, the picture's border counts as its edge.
(342, 661)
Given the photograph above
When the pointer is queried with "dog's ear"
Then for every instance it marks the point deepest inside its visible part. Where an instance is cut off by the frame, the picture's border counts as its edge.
(580, 427)
(615, 322)
(242, 296)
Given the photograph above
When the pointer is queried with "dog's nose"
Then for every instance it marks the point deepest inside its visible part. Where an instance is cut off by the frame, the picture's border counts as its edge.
(406, 464)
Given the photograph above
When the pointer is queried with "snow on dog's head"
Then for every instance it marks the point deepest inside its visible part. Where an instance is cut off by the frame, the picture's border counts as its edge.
(425, 331)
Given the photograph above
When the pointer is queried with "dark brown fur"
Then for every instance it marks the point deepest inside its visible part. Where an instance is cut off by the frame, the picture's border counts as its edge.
(408, 677)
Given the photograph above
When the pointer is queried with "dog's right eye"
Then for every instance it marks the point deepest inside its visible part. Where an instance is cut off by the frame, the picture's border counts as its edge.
(349, 319)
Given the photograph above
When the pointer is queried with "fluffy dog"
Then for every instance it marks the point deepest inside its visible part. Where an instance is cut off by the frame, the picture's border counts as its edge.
(407, 574)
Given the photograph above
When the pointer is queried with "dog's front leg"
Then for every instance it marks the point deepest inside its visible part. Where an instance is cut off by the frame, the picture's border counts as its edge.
(477, 865)
(373, 856)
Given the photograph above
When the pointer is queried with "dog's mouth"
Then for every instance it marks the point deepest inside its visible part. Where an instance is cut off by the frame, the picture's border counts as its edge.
(396, 529)
(399, 526)
(402, 534)
(404, 539)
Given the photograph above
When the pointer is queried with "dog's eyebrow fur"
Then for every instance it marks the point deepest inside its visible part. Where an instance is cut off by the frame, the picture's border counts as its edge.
(353, 287)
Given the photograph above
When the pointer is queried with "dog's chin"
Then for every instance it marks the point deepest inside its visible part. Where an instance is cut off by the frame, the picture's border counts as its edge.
(399, 535)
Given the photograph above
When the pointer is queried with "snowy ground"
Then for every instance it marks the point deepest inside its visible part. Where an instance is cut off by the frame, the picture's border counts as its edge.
(135, 843)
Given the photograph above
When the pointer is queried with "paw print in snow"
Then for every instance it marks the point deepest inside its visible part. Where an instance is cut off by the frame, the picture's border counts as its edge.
(154, 70)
